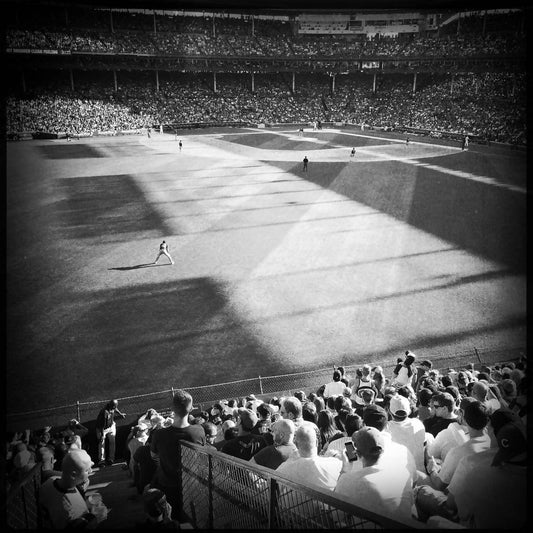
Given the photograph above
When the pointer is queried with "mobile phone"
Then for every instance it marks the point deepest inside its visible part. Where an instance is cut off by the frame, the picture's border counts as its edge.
(351, 452)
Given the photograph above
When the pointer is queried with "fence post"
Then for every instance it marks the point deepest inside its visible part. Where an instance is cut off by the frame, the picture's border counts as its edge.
(78, 411)
(210, 512)
(260, 385)
(272, 504)
(172, 392)
(477, 355)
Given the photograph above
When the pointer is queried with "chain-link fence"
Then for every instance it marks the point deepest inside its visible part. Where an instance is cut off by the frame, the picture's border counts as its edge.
(222, 492)
(268, 386)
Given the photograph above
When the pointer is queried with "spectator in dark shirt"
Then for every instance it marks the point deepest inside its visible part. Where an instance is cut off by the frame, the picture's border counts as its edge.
(246, 445)
(282, 448)
(166, 453)
(106, 429)
(443, 406)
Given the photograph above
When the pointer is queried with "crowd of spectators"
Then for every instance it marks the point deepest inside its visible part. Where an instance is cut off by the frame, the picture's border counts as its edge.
(440, 446)
(490, 106)
(273, 44)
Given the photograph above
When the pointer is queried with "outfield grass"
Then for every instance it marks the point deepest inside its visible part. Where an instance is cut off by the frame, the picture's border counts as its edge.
(277, 271)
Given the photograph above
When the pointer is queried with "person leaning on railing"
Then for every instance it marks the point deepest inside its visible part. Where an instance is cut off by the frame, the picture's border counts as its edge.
(106, 429)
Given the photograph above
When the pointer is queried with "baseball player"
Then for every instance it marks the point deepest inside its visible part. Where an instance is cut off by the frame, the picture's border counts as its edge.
(163, 250)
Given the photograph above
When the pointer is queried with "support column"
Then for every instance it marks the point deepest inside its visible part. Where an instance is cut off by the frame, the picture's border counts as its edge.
(414, 82)
(374, 83)
(484, 23)
(155, 24)
(253, 27)
(157, 80)
(253, 82)
(451, 85)
(333, 83)
(115, 80)
(214, 31)
(293, 83)
(214, 82)
(71, 79)
(111, 21)
(459, 24)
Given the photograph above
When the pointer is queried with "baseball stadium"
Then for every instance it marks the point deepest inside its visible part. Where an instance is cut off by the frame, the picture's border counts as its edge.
(334, 189)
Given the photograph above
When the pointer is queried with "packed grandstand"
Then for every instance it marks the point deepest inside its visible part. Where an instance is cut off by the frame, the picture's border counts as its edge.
(82, 71)
(433, 427)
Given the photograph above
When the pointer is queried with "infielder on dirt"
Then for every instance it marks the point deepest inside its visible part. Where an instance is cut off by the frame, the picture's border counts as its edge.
(163, 250)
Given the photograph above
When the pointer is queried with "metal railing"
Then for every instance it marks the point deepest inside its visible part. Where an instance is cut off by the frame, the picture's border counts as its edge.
(260, 386)
(223, 492)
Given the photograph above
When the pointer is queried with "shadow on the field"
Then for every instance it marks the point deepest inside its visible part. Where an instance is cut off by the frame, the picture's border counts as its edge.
(145, 265)
(109, 208)
(475, 215)
(143, 338)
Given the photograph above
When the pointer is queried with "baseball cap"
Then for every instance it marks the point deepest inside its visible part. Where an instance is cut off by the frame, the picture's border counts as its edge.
(368, 441)
(375, 415)
(399, 406)
(512, 443)
(154, 501)
(508, 386)
(410, 357)
(248, 418)
(501, 417)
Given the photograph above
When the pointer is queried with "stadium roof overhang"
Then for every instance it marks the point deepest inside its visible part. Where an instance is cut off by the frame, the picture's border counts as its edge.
(289, 7)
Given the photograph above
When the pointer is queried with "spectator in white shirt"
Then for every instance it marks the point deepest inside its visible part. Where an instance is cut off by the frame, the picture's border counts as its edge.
(310, 469)
(475, 417)
(405, 430)
(335, 387)
(373, 486)
(452, 436)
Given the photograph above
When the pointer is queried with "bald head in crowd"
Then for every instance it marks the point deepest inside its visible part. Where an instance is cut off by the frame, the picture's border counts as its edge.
(283, 431)
(75, 468)
(306, 440)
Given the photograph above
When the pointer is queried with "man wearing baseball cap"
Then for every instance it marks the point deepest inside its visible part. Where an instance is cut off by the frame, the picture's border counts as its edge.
(488, 489)
(373, 486)
(246, 444)
(396, 455)
(405, 430)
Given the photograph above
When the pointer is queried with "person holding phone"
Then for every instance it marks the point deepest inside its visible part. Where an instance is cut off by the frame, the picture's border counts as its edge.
(372, 486)
(344, 447)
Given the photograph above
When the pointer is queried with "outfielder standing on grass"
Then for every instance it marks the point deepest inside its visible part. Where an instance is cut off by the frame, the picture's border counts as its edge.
(305, 164)
(352, 153)
(163, 250)
(180, 145)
